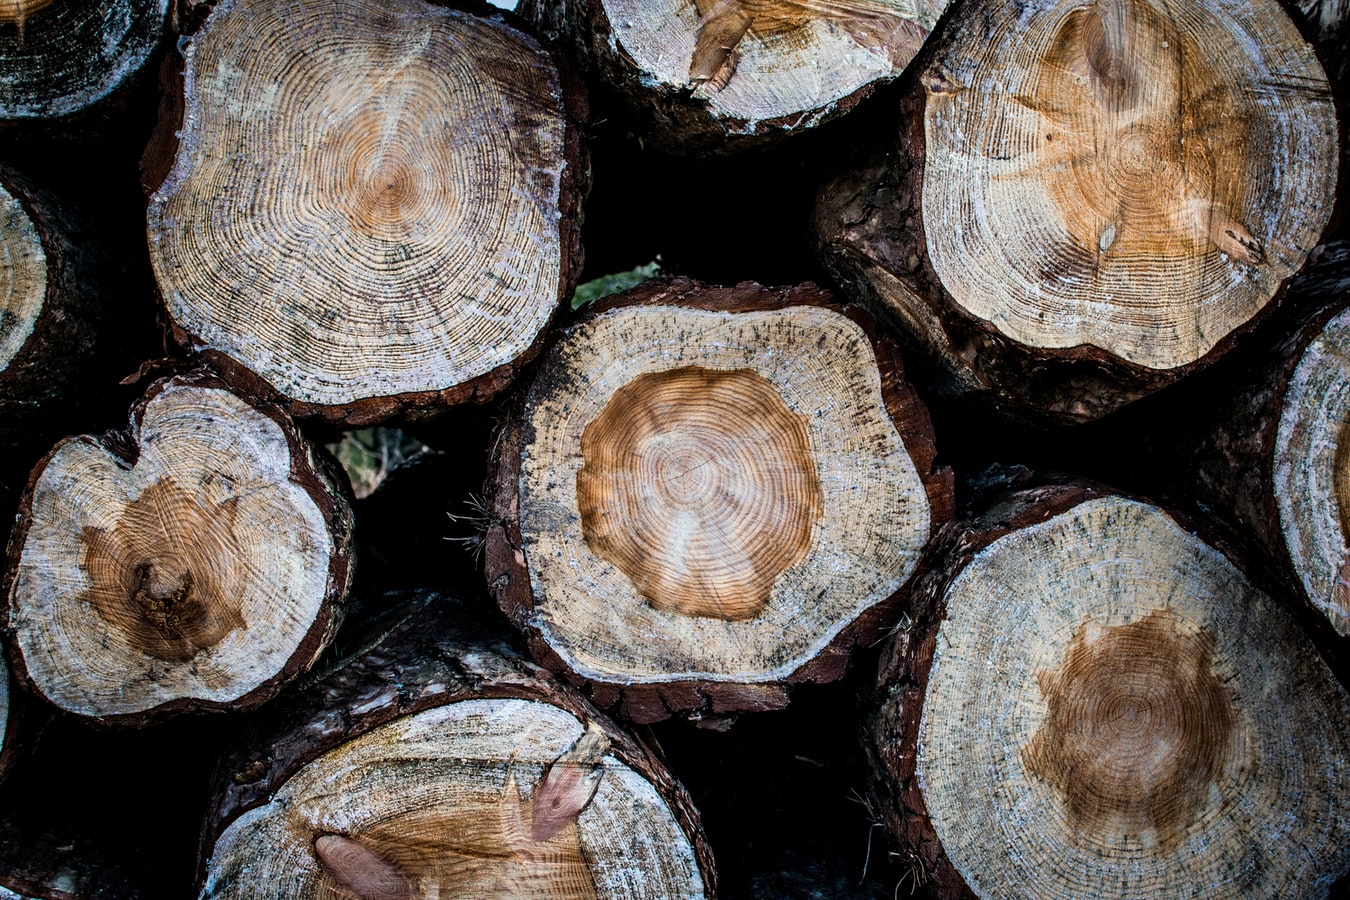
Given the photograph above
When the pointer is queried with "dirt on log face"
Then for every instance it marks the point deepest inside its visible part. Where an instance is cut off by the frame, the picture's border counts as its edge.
(465, 771)
(198, 561)
(708, 494)
(1090, 695)
(704, 76)
(1090, 200)
(373, 206)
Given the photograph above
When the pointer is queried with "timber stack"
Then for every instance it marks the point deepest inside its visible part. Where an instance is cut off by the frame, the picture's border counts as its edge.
(611, 449)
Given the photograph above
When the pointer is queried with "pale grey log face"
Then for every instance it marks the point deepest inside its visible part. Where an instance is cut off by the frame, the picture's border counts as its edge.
(1003, 163)
(875, 515)
(449, 758)
(23, 277)
(1270, 813)
(234, 461)
(1308, 475)
(801, 73)
(377, 237)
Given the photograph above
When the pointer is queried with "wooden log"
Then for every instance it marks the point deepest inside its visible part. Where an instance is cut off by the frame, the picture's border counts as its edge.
(1090, 697)
(373, 207)
(197, 561)
(1088, 202)
(60, 289)
(717, 75)
(65, 58)
(441, 764)
(709, 494)
(1257, 442)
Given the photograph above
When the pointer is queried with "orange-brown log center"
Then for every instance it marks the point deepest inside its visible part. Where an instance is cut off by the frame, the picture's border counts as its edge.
(1138, 728)
(165, 575)
(471, 847)
(700, 485)
(1143, 144)
(369, 169)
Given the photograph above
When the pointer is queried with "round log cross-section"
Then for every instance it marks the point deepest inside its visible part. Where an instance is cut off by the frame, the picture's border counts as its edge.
(717, 491)
(59, 57)
(199, 561)
(442, 764)
(1107, 191)
(373, 205)
(1311, 471)
(1091, 697)
(709, 75)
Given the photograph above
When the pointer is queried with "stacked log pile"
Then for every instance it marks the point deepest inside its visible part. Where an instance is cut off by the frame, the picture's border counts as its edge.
(946, 495)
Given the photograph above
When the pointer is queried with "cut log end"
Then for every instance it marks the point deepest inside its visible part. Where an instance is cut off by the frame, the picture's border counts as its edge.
(23, 276)
(146, 584)
(1124, 175)
(744, 498)
(1098, 708)
(477, 798)
(434, 159)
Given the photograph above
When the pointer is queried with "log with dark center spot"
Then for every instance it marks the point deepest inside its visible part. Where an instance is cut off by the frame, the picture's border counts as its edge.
(166, 575)
(1139, 728)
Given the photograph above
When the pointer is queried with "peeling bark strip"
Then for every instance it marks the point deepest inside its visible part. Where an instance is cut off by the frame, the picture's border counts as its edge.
(1089, 694)
(438, 765)
(708, 494)
(59, 57)
(401, 185)
(1147, 178)
(199, 560)
(710, 74)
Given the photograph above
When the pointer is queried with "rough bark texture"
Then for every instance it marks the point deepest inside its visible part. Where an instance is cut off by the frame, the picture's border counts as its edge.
(62, 289)
(699, 77)
(1159, 681)
(1137, 206)
(403, 186)
(685, 663)
(432, 659)
(199, 560)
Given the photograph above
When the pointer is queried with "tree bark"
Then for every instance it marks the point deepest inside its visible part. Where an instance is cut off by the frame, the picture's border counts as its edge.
(373, 207)
(700, 76)
(1088, 202)
(197, 561)
(61, 59)
(709, 494)
(467, 773)
(60, 295)
(1087, 693)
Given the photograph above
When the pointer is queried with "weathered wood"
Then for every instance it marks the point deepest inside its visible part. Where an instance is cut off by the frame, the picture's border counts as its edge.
(1088, 202)
(197, 561)
(718, 75)
(709, 494)
(373, 207)
(1089, 694)
(441, 763)
(65, 58)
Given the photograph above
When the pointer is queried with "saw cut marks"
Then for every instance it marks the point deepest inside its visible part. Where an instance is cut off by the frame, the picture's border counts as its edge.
(700, 485)
(1311, 471)
(455, 802)
(1132, 175)
(1112, 707)
(366, 197)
